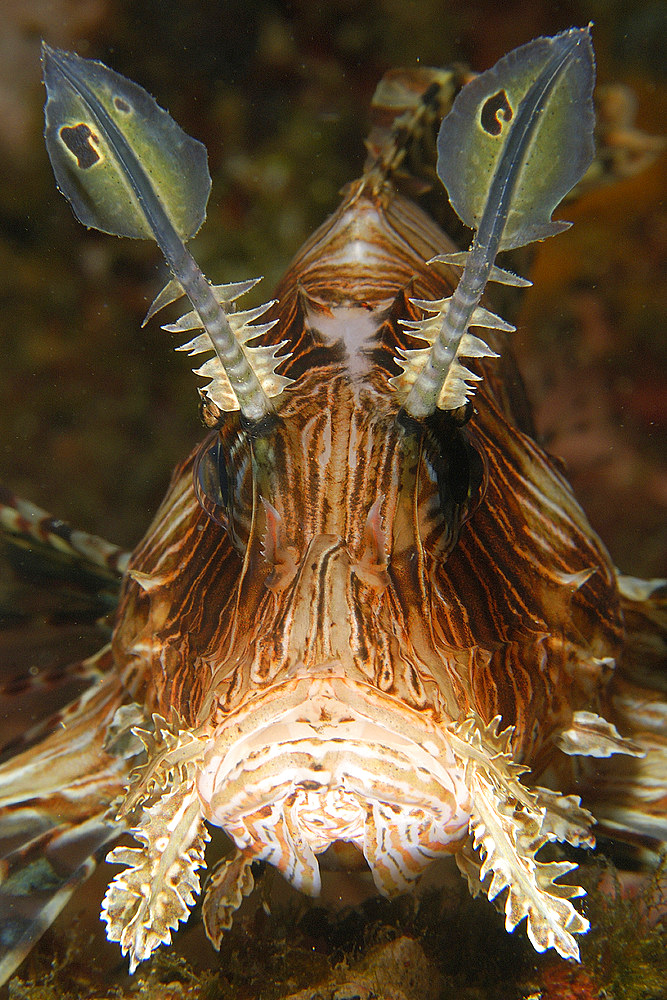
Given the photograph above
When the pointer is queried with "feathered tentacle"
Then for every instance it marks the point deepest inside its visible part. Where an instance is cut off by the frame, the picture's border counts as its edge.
(154, 893)
(509, 824)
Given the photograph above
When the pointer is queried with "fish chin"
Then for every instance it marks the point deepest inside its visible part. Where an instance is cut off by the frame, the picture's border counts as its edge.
(320, 762)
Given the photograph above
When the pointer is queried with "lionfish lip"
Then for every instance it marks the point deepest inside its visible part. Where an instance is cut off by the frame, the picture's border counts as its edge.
(325, 767)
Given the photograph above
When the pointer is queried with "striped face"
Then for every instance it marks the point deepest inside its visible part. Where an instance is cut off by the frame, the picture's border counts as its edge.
(322, 599)
(320, 733)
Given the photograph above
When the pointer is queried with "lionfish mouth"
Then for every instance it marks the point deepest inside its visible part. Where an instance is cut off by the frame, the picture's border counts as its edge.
(316, 761)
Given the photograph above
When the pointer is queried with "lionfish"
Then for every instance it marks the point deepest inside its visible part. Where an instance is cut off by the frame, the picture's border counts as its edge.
(369, 609)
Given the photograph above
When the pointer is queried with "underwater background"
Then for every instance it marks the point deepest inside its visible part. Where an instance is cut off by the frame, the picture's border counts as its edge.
(95, 412)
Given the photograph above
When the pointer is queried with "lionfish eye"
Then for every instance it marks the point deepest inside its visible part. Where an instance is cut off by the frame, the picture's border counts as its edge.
(462, 476)
(211, 481)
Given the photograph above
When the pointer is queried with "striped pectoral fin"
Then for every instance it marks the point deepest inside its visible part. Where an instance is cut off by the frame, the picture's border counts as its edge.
(38, 879)
(78, 755)
(59, 701)
(47, 549)
(630, 800)
(54, 814)
(628, 792)
(644, 606)
(58, 586)
(41, 694)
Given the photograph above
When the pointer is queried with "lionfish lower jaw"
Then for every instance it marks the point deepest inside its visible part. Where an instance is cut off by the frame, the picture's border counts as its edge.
(288, 808)
(287, 793)
(327, 768)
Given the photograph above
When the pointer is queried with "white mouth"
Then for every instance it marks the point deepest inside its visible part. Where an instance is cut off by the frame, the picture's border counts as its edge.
(315, 762)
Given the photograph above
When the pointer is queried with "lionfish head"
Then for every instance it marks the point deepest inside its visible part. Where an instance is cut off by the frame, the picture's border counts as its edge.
(284, 622)
(319, 655)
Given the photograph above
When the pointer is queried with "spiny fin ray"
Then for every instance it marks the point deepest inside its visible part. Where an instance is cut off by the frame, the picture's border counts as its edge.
(499, 274)
(173, 291)
(264, 359)
(460, 384)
